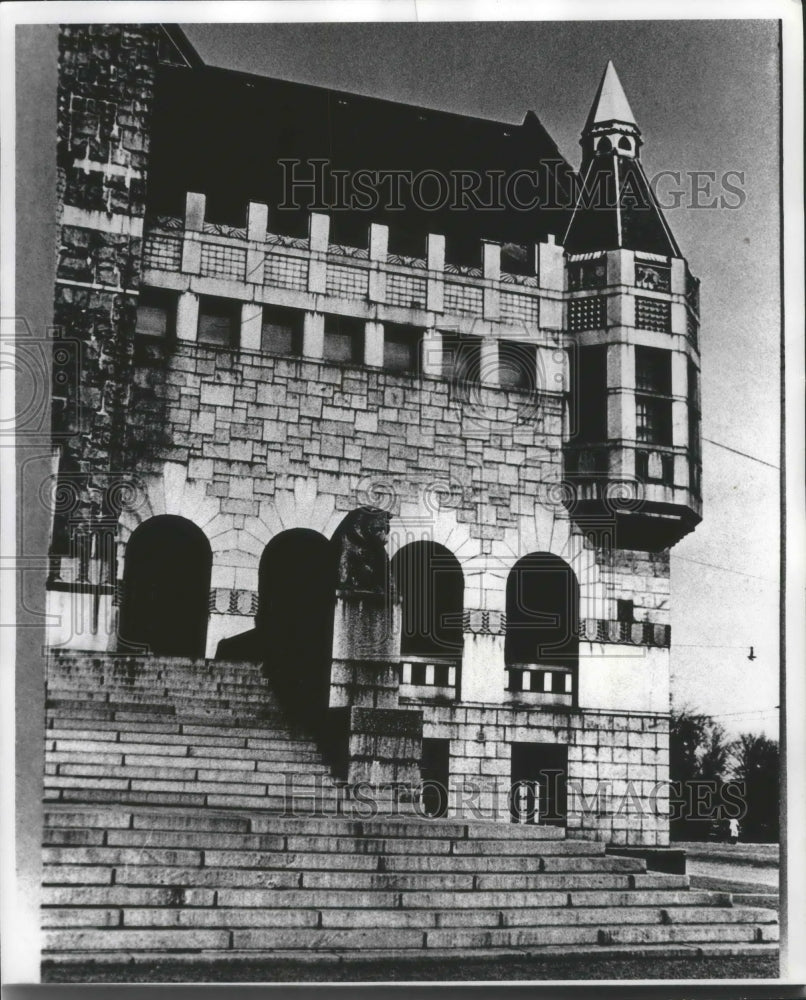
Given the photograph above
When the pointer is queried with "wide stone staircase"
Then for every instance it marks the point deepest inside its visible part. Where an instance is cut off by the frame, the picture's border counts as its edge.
(186, 817)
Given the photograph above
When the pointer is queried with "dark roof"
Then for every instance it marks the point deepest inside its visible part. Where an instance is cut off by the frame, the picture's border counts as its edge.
(618, 210)
(176, 49)
(223, 133)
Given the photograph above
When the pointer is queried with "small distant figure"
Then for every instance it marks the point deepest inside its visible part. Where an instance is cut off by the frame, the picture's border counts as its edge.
(733, 831)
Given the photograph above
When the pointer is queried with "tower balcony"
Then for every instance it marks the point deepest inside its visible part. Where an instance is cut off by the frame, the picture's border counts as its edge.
(648, 494)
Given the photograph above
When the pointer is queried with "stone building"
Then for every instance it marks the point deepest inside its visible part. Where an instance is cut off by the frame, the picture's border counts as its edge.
(425, 465)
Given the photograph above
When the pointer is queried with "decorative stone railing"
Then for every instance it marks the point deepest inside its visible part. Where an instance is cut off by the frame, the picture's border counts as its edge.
(430, 671)
(254, 256)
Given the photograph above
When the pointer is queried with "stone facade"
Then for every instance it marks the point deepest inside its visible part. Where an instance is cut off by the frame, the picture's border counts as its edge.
(248, 442)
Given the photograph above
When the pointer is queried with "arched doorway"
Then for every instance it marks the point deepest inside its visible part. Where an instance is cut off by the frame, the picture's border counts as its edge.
(431, 585)
(542, 612)
(166, 587)
(296, 597)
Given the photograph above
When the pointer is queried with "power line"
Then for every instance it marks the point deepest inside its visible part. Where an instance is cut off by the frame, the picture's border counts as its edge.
(725, 569)
(705, 645)
(742, 453)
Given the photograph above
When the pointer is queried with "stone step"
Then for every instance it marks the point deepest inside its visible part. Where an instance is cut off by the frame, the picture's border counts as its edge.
(330, 802)
(278, 773)
(215, 717)
(322, 828)
(251, 784)
(194, 758)
(230, 917)
(273, 744)
(581, 934)
(91, 679)
(158, 866)
(181, 698)
(167, 725)
(768, 900)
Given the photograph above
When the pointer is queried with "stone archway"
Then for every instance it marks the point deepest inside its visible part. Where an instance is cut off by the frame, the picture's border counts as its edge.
(166, 586)
(542, 598)
(296, 595)
(430, 584)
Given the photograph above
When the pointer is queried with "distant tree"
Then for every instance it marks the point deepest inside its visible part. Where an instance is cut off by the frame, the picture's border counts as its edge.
(755, 762)
(699, 757)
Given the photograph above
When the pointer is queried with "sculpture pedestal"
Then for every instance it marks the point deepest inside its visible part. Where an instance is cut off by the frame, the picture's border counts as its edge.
(372, 739)
(378, 746)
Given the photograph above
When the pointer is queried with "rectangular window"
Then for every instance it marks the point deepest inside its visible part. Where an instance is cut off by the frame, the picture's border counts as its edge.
(281, 332)
(344, 339)
(517, 365)
(589, 395)
(653, 420)
(653, 370)
(461, 358)
(626, 610)
(219, 322)
(654, 467)
(156, 313)
(401, 348)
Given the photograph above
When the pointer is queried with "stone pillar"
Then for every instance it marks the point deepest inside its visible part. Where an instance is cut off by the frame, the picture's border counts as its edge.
(491, 261)
(313, 335)
(372, 739)
(621, 405)
(251, 325)
(195, 205)
(550, 267)
(680, 417)
(488, 364)
(373, 344)
(257, 221)
(435, 283)
(378, 249)
(187, 316)
(432, 354)
(318, 236)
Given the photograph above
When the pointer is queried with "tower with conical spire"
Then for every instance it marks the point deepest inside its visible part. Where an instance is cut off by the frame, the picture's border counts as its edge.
(611, 123)
(616, 206)
(633, 321)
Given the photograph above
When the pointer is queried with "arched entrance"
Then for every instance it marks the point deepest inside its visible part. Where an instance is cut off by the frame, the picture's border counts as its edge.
(542, 612)
(431, 585)
(296, 596)
(166, 586)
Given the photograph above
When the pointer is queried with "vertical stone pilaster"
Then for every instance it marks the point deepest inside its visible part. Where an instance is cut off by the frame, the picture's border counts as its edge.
(187, 316)
(313, 335)
(378, 250)
(318, 236)
(373, 344)
(251, 325)
(435, 285)
(257, 221)
(432, 353)
(491, 261)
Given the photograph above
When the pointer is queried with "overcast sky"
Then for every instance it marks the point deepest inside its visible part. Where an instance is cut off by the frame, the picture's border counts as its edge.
(705, 95)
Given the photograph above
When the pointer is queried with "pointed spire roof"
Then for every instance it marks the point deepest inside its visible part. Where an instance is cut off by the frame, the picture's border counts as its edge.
(610, 103)
(616, 206)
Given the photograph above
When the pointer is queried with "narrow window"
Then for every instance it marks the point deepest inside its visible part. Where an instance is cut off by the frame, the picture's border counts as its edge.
(401, 348)
(156, 313)
(281, 332)
(344, 339)
(517, 365)
(219, 322)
